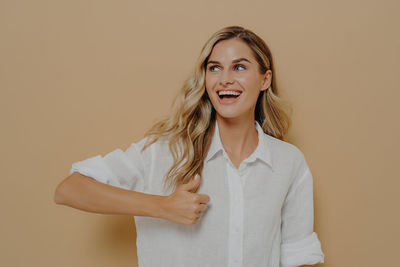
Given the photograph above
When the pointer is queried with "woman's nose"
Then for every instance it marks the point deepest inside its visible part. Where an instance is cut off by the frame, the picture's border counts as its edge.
(226, 77)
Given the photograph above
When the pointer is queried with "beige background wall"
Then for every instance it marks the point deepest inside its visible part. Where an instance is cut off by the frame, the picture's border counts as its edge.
(81, 78)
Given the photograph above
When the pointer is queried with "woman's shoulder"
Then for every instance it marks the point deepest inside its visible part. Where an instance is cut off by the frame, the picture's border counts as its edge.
(284, 150)
(147, 147)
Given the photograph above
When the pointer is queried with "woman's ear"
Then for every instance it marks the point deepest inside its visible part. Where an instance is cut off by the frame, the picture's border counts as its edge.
(266, 81)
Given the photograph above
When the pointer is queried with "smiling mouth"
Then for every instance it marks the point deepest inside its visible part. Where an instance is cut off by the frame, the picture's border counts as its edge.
(228, 94)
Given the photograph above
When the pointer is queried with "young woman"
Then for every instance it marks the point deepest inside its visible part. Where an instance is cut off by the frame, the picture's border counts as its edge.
(213, 184)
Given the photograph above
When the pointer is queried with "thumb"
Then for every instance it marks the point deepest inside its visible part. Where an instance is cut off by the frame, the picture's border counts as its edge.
(192, 185)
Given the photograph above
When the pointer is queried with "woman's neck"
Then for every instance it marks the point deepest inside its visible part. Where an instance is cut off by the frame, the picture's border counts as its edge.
(239, 138)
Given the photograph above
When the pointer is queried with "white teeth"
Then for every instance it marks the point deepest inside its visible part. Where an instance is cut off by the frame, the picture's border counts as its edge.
(228, 93)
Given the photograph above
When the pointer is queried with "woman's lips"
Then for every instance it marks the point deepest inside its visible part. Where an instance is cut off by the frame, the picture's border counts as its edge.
(228, 100)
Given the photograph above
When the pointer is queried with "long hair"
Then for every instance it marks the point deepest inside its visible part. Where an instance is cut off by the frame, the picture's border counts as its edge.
(190, 127)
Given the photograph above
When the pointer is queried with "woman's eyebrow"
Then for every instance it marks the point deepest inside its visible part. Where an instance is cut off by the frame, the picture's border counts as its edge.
(233, 61)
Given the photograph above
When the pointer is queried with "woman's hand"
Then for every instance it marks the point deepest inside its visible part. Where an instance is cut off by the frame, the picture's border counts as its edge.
(183, 206)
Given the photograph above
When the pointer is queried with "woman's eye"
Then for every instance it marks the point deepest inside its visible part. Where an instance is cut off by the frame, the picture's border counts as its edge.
(236, 67)
(212, 68)
(239, 67)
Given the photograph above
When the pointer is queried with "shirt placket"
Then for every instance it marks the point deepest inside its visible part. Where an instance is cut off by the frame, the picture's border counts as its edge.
(236, 216)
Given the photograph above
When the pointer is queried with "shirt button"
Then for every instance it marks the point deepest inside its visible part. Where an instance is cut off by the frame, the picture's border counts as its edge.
(237, 229)
(236, 260)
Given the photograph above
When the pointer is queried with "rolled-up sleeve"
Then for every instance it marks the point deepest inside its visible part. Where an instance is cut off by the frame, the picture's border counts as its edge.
(123, 169)
(300, 244)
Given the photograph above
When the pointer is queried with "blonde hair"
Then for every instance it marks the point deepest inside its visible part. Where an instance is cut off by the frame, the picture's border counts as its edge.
(190, 127)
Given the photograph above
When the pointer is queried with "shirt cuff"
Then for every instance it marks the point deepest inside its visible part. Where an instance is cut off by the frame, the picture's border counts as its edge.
(93, 167)
(306, 251)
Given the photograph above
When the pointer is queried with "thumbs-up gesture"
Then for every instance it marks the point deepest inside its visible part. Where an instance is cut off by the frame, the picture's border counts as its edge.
(183, 206)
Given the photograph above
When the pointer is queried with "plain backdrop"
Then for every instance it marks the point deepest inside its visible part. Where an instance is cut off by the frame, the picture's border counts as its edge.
(82, 78)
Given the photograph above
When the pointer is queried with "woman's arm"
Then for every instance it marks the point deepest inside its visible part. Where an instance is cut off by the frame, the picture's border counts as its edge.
(85, 193)
(300, 244)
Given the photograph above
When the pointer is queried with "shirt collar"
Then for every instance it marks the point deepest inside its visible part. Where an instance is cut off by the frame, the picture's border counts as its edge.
(262, 151)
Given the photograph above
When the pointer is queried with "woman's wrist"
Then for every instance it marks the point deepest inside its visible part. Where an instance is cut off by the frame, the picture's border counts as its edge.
(156, 207)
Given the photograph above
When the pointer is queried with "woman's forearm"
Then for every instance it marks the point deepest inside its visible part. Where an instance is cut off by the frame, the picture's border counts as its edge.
(85, 193)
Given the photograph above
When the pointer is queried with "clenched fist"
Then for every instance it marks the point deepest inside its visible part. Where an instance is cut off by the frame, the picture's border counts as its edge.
(183, 206)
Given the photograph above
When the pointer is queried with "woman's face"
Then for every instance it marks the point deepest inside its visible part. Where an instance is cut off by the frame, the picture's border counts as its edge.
(233, 80)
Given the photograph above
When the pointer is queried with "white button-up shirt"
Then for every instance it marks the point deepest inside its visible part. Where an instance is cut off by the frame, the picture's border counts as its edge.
(259, 215)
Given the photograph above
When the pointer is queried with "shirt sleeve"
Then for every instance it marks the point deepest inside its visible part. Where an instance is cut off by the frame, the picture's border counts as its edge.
(123, 169)
(300, 244)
